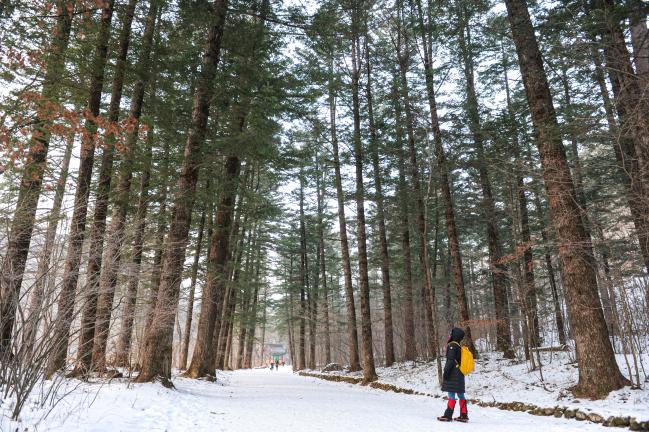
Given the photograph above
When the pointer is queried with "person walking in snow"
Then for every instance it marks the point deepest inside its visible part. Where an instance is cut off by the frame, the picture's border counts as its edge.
(453, 382)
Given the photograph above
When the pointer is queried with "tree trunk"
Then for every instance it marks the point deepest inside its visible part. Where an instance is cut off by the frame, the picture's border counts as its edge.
(320, 190)
(427, 288)
(599, 373)
(243, 340)
(313, 312)
(632, 108)
(579, 184)
(446, 271)
(636, 193)
(156, 272)
(530, 303)
(445, 183)
(112, 256)
(38, 291)
(158, 340)
(606, 293)
(235, 256)
(516, 304)
(245, 304)
(301, 356)
(216, 280)
(529, 298)
(227, 326)
(57, 358)
(380, 216)
(498, 268)
(354, 364)
(574, 145)
(558, 312)
(228, 349)
(640, 42)
(313, 292)
(22, 223)
(90, 291)
(528, 293)
(289, 320)
(247, 293)
(128, 315)
(242, 241)
(192, 290)
(408, 312)
(369, 372)
(262, 342)
(252, 323)
(210, 325)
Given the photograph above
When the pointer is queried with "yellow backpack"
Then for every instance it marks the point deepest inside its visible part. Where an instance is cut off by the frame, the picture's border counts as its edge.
(467, 363)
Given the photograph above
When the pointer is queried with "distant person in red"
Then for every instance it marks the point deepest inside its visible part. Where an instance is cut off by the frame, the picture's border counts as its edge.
(454, 379)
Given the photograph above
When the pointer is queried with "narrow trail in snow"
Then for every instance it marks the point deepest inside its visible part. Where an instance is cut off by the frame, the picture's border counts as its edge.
(272, 401)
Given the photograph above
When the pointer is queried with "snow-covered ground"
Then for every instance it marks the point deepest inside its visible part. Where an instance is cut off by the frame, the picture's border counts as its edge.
(499, 380)
(261, 400)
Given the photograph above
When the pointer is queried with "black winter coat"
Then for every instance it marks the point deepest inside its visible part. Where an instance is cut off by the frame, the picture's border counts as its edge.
(453, 378)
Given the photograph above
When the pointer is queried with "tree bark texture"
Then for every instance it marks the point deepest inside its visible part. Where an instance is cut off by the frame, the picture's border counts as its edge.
(130, 298)
(352, 333)
(22, 222)
(380, 216)
(369, 371)
(159, 337)
(600, 373)
(192, 292)
(409, 311)
(217, 279)
(498, 268)
(445, 184)
(38, 294)
(57, 358)
(90, 290)
(115, 240)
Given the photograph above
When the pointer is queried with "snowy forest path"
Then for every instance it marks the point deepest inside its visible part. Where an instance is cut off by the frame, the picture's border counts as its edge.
(282, 401)
(269, 401)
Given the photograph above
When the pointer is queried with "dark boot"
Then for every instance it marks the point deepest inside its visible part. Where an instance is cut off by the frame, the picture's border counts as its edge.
(448, 413)
(464, 413)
